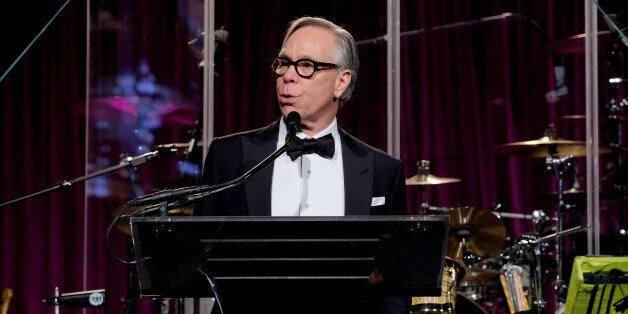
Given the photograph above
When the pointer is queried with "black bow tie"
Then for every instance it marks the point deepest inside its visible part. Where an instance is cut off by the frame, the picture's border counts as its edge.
(324, 146)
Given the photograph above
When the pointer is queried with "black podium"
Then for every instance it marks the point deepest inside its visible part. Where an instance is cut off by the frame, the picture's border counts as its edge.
(362, 255)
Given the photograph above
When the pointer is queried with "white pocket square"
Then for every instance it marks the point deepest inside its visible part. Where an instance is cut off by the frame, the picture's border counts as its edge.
(377, 201)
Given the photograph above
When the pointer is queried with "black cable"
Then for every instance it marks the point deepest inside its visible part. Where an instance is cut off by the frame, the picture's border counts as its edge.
(107, 239)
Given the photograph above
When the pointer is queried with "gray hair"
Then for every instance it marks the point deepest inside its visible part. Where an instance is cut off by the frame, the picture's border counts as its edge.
(346, 55)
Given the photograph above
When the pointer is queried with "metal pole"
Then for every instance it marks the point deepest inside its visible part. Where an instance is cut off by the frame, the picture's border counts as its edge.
(591, 79)
(393, 78)
(208, 74)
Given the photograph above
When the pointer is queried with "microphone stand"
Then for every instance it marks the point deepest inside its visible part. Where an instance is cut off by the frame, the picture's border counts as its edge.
(205, 191)
(67, 184)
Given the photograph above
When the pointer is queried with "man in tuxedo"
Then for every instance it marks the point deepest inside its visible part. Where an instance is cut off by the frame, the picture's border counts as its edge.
(338, 175)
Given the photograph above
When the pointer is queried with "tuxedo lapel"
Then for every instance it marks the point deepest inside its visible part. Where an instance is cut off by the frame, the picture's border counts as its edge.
(358, 176)
(259, 186)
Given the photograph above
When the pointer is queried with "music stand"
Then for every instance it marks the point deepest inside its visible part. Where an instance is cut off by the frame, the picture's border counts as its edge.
(257, 255)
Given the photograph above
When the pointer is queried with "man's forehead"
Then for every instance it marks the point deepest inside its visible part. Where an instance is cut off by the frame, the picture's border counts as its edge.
(309, 42)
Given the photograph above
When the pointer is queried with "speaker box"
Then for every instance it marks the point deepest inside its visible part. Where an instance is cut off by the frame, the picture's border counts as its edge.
(598, 284)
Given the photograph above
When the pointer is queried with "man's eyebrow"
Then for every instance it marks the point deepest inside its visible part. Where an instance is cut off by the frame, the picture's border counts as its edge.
(284, 56)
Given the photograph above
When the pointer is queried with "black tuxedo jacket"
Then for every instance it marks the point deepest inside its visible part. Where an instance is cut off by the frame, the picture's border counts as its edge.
(368, 173)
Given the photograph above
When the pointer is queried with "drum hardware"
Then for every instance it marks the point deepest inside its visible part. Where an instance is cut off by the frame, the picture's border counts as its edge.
(559, 166)
(422, 179)
(512, 215)
(532, 247)
(538, 216)
(564, 233)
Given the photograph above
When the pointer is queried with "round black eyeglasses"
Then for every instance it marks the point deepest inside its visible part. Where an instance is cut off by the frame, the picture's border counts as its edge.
(305, 68)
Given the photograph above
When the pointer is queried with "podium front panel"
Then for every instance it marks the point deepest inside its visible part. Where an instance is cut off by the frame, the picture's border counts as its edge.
(383, 255)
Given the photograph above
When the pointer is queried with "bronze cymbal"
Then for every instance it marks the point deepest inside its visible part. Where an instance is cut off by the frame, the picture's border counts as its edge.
(611, 117)
(124, 223)
(547, 147)
(482, 231)
(574, 117)
(575, 44)
(577, 195)
(429, 180)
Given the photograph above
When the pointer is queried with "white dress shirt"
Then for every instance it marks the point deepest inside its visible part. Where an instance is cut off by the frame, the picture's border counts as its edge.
(310, 185)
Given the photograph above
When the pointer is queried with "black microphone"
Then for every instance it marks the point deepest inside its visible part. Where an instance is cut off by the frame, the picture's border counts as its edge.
(160, 153)
(293, 123)
(86, 299)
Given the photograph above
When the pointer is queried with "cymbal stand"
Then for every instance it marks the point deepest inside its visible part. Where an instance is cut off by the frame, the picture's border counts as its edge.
(423, 172)
(559, 166)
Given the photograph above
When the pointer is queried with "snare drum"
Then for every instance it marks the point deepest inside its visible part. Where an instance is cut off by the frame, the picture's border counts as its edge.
(446, 302)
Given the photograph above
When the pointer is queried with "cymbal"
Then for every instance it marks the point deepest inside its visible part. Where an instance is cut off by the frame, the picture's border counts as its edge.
(124, 223)
(124, 109)
(576, 195)
(483, 232)
(611, 117)
(575, 44)
(547, 147)
(574, 117)
(429, 180)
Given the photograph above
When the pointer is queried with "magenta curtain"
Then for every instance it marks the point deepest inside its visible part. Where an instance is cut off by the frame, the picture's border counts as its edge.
(468, 85)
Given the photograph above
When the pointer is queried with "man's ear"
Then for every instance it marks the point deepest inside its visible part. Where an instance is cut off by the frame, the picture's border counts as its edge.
(342, 82)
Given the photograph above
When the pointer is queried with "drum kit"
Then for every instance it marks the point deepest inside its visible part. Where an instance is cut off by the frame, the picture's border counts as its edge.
(478, 267)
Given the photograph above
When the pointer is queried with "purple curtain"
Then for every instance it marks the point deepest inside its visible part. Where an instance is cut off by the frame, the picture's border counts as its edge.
(469, 83)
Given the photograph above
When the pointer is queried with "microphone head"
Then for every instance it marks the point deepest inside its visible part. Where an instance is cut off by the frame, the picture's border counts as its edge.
(293, 117)
(166, 151)
(293, 121)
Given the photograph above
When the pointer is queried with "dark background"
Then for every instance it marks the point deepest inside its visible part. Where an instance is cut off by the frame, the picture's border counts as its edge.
(466, 88)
